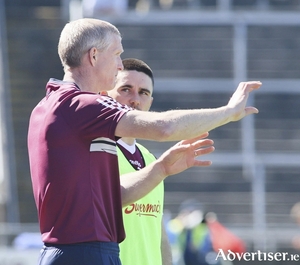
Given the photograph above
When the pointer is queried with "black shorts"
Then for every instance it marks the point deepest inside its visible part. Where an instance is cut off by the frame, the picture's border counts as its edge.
(90, 253)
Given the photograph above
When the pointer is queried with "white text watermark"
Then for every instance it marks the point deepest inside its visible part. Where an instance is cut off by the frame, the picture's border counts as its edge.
(257, 256)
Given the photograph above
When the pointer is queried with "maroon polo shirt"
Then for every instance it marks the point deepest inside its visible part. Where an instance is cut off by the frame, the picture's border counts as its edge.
(74, 166)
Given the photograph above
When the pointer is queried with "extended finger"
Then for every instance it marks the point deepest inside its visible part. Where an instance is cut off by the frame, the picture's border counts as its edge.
(204, 151)
(202, 163)
(251, 110)
(250, 85)
(190, 141)
(202, 143)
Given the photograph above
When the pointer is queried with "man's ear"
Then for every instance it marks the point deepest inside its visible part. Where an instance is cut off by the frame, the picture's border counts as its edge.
(93, 55)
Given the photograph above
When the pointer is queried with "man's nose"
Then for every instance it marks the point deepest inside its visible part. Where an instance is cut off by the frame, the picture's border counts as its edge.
(120, 65)
(134, 101)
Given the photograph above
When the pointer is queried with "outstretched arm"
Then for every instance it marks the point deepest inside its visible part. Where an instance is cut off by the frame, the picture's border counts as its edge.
(176, 125)
(175, 160)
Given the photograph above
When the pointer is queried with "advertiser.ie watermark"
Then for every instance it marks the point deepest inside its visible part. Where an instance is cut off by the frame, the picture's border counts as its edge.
(257, 256)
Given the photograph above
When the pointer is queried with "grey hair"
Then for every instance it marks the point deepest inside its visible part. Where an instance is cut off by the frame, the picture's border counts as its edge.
(79, 36)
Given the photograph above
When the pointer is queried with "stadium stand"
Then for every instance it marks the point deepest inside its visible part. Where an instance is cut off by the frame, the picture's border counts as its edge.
(194, 63)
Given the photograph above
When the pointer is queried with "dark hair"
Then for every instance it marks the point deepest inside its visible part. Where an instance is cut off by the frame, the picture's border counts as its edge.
(132, 64)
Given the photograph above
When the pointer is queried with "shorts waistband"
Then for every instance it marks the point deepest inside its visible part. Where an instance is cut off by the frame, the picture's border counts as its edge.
(104, 246)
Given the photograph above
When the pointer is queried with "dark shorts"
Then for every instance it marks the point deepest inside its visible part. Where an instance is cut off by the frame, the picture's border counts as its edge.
(91, 253)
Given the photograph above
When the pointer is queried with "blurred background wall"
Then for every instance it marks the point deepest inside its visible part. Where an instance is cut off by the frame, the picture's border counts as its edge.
(199, 51)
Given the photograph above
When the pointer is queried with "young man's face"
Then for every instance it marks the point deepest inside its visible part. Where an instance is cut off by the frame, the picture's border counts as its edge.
(133, 89)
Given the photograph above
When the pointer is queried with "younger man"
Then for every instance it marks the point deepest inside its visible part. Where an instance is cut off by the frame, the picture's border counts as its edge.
(146, 241)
